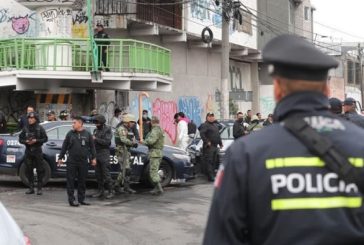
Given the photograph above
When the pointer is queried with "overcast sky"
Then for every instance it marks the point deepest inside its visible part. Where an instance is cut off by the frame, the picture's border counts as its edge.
(343, 15)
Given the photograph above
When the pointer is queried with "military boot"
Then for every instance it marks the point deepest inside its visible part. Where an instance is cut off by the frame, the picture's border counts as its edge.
(157, 189)
(99, 193)
(110, 191)
(118, 189)
(127, 188)
(39, 188)
(31, 189)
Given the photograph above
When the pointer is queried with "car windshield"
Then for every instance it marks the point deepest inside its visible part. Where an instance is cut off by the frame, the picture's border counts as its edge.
(227, 133)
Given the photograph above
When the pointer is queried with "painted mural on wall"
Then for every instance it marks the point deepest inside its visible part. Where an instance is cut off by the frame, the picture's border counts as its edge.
(134, 106)
(165, 111)
(206, 11)
(79, 24)
(266, 99)
(16, 20)
(191, 106)
(54, 21)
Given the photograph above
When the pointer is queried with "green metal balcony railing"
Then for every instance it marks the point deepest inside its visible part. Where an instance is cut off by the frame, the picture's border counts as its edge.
(115, 55)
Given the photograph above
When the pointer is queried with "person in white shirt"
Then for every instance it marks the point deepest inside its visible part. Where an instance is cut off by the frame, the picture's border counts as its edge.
(116, 118)
(182, 130)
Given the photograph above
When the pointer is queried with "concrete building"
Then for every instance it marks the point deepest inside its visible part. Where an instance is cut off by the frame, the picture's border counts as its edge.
(275, 18)
(190, 84)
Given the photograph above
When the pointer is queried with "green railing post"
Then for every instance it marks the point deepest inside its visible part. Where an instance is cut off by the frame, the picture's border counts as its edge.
(36, 54)
(93, 45)
(16, 54)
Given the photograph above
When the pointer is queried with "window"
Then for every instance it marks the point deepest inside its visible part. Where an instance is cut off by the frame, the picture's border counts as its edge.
(53, 134)
(62, 131)
(246, 26)
(307, 13)
(350, 71)
(357, 73)
(227, 133)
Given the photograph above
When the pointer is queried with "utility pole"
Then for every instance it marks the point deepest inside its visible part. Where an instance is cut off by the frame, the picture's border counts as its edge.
(225, 59)
(361, 74)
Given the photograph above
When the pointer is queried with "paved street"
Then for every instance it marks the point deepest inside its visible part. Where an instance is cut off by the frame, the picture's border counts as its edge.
(177, 217)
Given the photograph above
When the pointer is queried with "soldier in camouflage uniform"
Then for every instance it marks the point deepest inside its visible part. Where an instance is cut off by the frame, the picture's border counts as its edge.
(155, 142)
(124, 140)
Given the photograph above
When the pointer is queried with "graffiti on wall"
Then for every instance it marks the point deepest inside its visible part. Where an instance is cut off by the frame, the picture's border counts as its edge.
(165, 111)
(191, 106)
(267, 105)
(51, 15)
(134, 106)
(16, 102)
(15, 24)
(79, 24)
(107, 110)
(206, 11)
(55, 22)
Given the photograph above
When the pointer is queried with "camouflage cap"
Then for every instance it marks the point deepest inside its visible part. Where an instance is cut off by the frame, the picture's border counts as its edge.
(129, 118)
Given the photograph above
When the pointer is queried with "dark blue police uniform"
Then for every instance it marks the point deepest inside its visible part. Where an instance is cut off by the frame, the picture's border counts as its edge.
(272, 189)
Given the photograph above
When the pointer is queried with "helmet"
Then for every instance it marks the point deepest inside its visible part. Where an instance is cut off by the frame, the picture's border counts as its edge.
(255, 118)
(51, 113)
(31, 114)
(129, 118)
(99, 119)
(63, 114)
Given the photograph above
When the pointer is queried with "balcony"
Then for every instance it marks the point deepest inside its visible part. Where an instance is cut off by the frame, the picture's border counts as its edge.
(67, 63)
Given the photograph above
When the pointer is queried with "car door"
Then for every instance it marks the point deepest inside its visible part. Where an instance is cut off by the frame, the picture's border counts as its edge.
(53, 147)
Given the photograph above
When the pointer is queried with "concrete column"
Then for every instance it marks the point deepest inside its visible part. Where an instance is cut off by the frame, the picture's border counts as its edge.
(255, 86)
(54, 22)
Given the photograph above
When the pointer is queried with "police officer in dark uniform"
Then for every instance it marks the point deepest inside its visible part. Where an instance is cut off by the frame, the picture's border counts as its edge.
(272, 189)
(102, 137)
(102, 45)
(210, 135)
(80, 146)
(350, 113)
(238, 127)
(336, 106)
(33, 136)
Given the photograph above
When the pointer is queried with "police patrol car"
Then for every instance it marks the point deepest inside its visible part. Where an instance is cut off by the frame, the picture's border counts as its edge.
(176, 164)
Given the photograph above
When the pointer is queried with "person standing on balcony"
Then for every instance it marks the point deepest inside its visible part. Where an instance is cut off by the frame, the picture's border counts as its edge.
(102, 46)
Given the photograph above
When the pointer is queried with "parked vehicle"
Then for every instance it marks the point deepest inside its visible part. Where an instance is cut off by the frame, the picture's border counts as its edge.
(10, 233)
(226, 133)
(176, 163)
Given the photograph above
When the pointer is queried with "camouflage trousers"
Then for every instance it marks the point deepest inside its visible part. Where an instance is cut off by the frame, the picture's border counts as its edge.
(153, 170)
(124, 162)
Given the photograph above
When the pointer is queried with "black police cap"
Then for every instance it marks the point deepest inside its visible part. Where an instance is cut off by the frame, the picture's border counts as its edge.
(349, 101)
(335, 105)
(293, 57)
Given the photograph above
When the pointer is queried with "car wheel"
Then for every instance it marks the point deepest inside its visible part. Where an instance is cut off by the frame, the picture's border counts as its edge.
(165, 173)
(46, 177)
